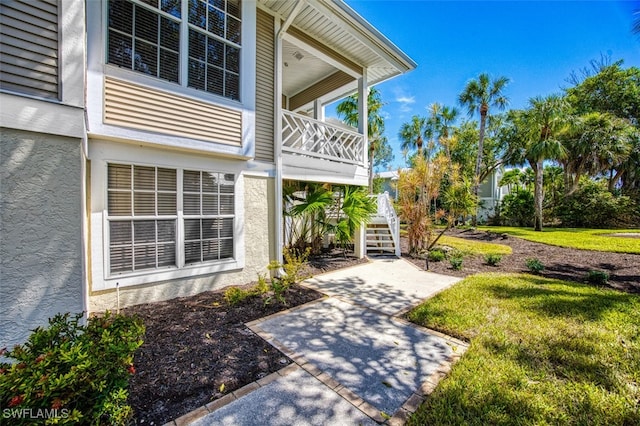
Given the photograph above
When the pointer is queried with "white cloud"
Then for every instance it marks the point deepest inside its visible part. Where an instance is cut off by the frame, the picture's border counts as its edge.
(407, 100)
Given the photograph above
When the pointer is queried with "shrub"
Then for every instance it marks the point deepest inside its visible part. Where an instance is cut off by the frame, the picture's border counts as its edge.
(77, 373)
(456, 260)
(598, 277)
(517, 209)
(436, 255)
(593, 206)
(294, 263)
(534, 265)
(235, 295)
(493, 259)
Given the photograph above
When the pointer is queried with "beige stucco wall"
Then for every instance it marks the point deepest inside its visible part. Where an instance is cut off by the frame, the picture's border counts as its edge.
(258, 234)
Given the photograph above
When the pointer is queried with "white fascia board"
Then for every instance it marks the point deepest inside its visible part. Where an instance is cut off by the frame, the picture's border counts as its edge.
(37, 115)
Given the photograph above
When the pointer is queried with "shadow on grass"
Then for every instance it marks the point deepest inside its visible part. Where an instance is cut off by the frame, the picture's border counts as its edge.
(548, 298)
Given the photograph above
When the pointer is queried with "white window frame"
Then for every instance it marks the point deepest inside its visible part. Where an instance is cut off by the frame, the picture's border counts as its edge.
(104, 153)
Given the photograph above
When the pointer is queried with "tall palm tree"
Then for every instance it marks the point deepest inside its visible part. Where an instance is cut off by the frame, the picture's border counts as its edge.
(442, 118)
(535, 138)
(348, 111)
(480, 95)
(411, 134)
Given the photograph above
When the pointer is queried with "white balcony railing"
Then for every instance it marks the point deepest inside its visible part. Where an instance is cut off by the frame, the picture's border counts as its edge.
(313, 138)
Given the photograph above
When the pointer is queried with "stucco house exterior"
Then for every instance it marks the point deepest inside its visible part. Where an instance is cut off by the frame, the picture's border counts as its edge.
(144, 142)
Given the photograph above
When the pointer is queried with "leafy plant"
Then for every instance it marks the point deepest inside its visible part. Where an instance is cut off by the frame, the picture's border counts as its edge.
(598, 277)
(235, 295)
(456, 260)
(293, 267)
(436, 255)
(493, 259)
(534, 265)
(79, 373)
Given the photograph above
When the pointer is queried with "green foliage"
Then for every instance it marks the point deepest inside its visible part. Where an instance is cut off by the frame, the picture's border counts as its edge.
(534, 265)
(593, 206)
(542, 352)
(455, 259)
(293, 268)
(517, 209)
(235, 295)
(80, 371)
(493, 259)
(357, 208)
(473, 247)
(436, 255)
(598, 277)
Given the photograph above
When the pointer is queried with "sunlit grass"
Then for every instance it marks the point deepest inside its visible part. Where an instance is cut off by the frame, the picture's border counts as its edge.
(473, 247)
(542, 352)
(585, 239)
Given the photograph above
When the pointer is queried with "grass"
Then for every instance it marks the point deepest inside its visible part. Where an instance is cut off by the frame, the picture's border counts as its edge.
(542, 352)
(473, 247)
(585, 239)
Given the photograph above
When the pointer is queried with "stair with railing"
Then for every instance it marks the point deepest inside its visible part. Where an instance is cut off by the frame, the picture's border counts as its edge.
(383, 230)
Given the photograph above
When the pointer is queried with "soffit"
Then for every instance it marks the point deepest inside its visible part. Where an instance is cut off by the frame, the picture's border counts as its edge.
(336, 25)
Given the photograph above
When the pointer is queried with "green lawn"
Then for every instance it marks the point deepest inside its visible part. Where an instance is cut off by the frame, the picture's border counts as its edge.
(543, 352)
(473, 247)
(586, 239)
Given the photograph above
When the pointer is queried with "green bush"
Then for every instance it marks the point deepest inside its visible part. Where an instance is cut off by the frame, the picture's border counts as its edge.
(436, 255)
(72, 373)
(235, 295)
(598, 277)
(593, 206)
(517, 209)
(456, 260)
(493, 259)
(534, 265)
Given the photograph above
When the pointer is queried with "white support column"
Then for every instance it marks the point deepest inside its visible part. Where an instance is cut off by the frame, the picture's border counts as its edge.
(363, 112)
(360, 243)
(318, 110)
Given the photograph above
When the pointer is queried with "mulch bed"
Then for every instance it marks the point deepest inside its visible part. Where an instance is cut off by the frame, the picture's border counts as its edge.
(195, 345)
(559, 262)
(197, 349)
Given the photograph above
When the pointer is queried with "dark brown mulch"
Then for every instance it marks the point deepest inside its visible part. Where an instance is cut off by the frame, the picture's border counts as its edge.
(559, 262)
(195, 345)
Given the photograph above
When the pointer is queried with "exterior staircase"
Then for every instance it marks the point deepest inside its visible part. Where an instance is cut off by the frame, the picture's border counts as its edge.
(383, 231)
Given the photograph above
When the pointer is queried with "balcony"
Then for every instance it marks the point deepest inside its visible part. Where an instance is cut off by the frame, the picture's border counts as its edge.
(304, 136)
(320, 151)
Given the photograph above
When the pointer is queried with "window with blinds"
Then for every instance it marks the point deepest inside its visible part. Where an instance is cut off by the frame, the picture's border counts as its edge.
(145, 36)
(144, 217)
(208, 201)
(142, 211)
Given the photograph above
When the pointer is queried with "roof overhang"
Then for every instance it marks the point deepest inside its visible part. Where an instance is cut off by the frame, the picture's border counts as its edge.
(353, 42)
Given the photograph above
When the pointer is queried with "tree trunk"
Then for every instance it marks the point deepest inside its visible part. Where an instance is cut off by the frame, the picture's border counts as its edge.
(476, 183)
(538, 196)
(371, 154)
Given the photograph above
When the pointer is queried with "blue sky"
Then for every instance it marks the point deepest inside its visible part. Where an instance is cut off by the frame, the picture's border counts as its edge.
(534, 43)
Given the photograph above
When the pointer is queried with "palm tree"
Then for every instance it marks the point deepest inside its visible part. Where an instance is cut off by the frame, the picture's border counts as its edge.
(535, 138)
(348, 112)
(411, 133)
(480, 95)
(441, 120)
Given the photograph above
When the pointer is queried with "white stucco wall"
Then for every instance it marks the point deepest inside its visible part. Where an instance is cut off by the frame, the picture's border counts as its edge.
(40, 231)
(258, 232)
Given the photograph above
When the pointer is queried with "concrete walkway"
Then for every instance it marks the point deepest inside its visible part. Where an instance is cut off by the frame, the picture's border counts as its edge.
(355, 361)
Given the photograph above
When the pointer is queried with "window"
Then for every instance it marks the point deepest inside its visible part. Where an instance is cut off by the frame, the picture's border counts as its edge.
(144, 216)
(146, 36)
(208, 204)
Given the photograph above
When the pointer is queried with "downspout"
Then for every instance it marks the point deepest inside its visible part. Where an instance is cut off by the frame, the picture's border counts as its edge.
(280, 29)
